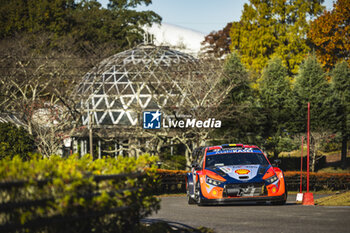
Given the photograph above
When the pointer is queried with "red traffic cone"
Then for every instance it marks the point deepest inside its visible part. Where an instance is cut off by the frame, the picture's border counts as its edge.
(308, 199)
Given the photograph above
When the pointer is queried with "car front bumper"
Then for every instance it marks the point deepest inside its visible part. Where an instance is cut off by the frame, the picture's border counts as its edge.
(233, 200)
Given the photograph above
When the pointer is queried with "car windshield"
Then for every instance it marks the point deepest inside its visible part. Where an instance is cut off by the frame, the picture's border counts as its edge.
(235, 159)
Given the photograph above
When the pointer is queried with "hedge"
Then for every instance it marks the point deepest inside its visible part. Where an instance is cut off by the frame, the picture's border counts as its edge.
(318, 181)
(173, 181)
(76, 194)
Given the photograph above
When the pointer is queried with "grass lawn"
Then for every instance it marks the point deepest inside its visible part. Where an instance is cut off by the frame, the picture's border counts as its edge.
(342, 199)
(334, 170)
(297, 153)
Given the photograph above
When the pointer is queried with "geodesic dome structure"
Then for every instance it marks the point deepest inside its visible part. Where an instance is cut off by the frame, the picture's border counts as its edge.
(122, 86)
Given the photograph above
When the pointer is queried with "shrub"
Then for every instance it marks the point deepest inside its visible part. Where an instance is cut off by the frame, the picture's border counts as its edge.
(77, 195)
(15, 141)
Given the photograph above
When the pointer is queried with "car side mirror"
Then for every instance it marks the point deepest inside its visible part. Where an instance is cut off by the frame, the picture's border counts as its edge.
(277, 162)
(195, 166)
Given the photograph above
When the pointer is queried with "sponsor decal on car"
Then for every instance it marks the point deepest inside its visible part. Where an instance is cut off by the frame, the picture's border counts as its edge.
(242, 171)
(226, 169)
(232, 151)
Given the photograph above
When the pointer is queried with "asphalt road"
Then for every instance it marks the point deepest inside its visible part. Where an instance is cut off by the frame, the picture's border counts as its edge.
(255, 218)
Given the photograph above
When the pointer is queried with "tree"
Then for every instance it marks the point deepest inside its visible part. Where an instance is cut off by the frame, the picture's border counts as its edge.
(341, 91)
(238, 120)
(312, 86)
(203, 86)
(275, 102)
(273, 28)
(15, 141)
(119, 24)
(330, 34)
(35, 16)
(38, 89)
(218, 43)
(78, 26)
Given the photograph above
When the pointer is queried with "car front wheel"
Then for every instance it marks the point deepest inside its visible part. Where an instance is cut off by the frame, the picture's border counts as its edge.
(190, 200)
(197, 194)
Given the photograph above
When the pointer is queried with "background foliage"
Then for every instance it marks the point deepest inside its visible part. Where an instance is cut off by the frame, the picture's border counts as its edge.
(15, 141)
(47, 46)
(274, 28)
(72, 191)
(78, 25)
(330, 34)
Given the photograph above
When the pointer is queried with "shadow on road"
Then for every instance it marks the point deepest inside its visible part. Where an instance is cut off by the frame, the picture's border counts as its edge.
(175, 226)
(248, 204)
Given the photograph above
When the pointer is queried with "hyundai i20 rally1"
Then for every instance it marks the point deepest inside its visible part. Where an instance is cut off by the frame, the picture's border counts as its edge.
(234, 173)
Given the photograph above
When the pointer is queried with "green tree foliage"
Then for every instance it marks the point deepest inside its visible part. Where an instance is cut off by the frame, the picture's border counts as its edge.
(15, 141)
(312, 86)
(275, 104)
(341, 92)
(237, 119)
(35, 16)
(78, 24)
(269, 28)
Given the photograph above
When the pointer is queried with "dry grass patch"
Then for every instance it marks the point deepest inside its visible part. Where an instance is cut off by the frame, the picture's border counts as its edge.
(342, 199)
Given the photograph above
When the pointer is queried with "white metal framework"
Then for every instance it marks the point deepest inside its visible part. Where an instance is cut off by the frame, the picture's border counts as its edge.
(123, 85)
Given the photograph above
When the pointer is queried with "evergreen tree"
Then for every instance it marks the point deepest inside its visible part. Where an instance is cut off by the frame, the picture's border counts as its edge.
(312, 86)
(237, 117)
(35, 16)
(341, 91)
(78, 25)
(275, 94)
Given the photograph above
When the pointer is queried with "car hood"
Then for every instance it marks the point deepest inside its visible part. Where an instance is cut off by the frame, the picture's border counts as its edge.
(241, 172)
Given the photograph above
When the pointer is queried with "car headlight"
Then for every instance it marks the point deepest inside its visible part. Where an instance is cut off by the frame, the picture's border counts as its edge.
(213, 181)
(272, 179)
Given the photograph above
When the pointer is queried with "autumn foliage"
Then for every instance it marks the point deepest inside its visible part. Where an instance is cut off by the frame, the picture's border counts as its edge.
(330, 34)
(218, 43)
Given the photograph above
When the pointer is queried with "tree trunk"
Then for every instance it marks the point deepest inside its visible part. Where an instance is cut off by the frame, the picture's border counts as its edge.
(313, 164)
(189, 149)
(314, 153)
(188, 159)
(344, 150)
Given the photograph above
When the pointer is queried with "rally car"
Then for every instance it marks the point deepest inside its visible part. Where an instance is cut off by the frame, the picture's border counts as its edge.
(232, 173)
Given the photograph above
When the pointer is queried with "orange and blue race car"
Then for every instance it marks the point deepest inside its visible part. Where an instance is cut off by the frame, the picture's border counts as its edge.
(233, 173)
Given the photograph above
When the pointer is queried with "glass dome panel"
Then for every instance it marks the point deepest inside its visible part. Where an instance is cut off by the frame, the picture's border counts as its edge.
(129, 82)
